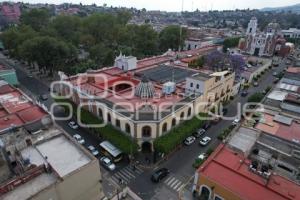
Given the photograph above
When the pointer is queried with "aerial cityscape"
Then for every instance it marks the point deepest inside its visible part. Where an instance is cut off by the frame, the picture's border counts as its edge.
(149, 100)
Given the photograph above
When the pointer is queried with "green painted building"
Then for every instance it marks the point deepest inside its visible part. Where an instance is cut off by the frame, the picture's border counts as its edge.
(8, 75)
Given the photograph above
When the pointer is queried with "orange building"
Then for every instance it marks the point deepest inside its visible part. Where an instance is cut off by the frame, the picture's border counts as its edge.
(229, 175)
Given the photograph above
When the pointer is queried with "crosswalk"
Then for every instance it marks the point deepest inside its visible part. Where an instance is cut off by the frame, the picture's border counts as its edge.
(174, 183)
(125, 174)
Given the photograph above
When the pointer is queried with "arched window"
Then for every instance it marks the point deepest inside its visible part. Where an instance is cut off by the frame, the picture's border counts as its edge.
(146, 131)
(205, 193)
(189, 112)
(108, 117)
(118, 123)
(100, 113)
(173, 121)
(182, 116)
(127, 128)
(165, 127)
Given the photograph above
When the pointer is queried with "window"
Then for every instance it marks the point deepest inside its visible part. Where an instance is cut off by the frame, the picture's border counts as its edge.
(197, 86)
(100, 113)
(118, 123)
(108, 117)
(174, 122)
(146, 131)
(127, 128)
(189, 112)
(217, 197)
(164, 127)
(205, 193)
(191, 85)
(182, 116)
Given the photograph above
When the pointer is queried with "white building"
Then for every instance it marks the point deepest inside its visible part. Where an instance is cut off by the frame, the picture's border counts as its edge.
(265, 43)
(291, 33)
(125, 63)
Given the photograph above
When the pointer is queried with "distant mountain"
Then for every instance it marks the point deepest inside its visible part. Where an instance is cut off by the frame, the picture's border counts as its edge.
(293, 8)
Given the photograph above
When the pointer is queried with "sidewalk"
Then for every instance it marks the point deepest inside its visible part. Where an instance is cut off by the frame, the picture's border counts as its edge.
(187, 192)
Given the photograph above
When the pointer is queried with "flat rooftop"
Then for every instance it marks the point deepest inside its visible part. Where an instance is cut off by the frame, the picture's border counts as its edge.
(30, 188)
(231, 170)
(61, 153)
(165, 73)
(288, 131)
(243, 139)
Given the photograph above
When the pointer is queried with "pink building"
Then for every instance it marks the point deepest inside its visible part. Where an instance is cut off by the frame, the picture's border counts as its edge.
(11, 11)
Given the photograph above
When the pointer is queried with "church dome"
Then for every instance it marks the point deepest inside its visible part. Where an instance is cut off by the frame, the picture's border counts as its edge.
(145, 89)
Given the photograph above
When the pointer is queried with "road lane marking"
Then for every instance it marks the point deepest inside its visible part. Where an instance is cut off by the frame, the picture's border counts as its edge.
(129, 173)
(180, 188)
(126, 175)
(168, 179)
(121, 176)
(171, 180)
(174, 183)
(177, 185)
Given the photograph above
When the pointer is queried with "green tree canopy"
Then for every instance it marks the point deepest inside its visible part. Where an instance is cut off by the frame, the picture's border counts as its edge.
(36, 18)
(172, 37)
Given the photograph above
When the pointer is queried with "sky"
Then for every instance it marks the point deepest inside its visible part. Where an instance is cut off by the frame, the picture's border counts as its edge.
(175, 5)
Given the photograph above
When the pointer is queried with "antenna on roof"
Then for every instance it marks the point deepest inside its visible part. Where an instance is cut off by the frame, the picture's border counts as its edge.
(180, 32)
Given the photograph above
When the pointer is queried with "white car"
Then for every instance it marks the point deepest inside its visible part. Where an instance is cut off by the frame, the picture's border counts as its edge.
(204, 141)
(73, 125)
(236, 121)
(202, 156)
(93, 150)
(79, 139)
(107, 163)
(190, 140)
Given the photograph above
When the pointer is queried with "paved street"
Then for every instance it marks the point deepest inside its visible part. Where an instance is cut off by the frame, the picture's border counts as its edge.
(180, 164)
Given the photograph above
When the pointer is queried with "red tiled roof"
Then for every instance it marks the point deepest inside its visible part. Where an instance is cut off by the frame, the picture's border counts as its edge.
(230, 170)
(295, 70)
(31, 114)
(9, 120)
(6, 89)
(16, 109)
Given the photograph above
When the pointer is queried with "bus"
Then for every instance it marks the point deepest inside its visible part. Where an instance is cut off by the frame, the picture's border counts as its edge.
(109, 150)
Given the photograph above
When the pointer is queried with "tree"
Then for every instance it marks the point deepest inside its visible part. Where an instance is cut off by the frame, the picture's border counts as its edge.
(66, 28)
(49, 53)
(172, 37)
(230, 43)
(237, 63)
(102, 55)
(255, 98)
(36, 18)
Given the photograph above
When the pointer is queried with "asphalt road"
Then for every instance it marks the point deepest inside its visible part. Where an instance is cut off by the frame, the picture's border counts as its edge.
(180, 164)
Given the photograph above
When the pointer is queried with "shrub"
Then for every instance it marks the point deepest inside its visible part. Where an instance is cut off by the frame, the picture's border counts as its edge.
(167, 143)
(256, 98)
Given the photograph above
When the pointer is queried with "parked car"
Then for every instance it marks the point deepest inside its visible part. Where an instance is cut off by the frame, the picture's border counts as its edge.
(93, 150)
(159, 175)
(199, 132)
(190, 140)
(236, 121)
(275, 74)
(204, 141)
(244, 93)
(202, 156)
(255, 84)
(107, 163)
(79, 139)
(73, 125)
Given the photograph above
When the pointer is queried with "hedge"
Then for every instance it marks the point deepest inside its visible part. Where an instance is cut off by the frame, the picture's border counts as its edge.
(108, 132)
(225, 132)
(167, 143)
(255, 98)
